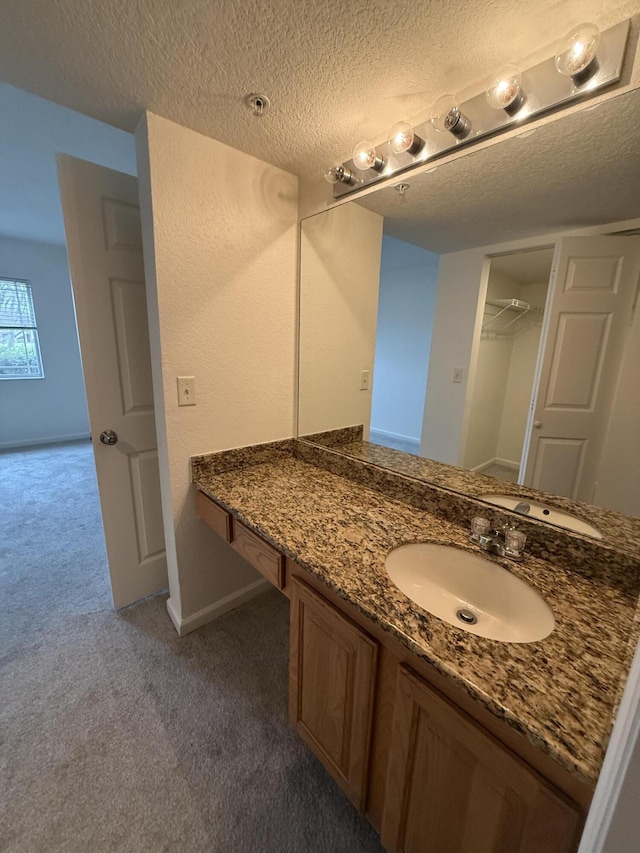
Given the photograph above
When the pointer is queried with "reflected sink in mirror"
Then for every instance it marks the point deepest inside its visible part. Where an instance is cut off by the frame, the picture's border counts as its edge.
(470, 591)
(533, 509)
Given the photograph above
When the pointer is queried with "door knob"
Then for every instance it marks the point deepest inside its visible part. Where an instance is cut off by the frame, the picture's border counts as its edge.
(109, 437)
(537, 425)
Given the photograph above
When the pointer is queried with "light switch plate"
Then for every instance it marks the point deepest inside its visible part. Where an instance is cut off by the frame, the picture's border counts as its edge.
(364, 380)
(186, 390)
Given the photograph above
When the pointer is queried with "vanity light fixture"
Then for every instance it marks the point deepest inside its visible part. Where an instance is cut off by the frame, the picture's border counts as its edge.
(366, 157)
(584, 63)
(402, 137)
(505, 90)
(577, 53)
(446, 115)
(340, 175)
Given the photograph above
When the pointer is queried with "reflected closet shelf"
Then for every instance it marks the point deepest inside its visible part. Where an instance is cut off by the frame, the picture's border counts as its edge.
(505, 322)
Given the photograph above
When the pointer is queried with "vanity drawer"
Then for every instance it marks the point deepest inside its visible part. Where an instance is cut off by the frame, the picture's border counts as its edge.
(259, 553)
(218, 519)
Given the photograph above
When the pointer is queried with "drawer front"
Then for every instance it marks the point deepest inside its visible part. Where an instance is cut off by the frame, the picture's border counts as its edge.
(217, 518)
(260, 554)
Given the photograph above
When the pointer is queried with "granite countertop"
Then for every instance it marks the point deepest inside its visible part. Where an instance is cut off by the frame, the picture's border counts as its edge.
(619, 531)
(561, 692)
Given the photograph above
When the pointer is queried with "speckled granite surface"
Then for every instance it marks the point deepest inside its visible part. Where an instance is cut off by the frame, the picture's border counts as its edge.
(336, 437)
(619, 531)
(582, 553)
(560, 692)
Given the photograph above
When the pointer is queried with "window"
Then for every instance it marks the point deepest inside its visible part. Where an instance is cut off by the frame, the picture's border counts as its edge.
(19, 348)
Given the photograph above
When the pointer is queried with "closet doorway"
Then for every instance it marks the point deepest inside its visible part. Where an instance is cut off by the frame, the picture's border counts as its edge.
(514, 307)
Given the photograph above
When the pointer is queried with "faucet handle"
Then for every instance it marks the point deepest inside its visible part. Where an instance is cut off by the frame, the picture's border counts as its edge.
(479, 527)
(514, 542)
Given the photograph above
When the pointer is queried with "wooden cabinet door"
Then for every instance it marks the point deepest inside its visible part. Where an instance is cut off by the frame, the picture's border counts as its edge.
(331, 686)
(452, 788)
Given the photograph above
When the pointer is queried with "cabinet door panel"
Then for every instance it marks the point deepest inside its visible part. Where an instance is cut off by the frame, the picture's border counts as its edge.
(332, 679)
(452, 788)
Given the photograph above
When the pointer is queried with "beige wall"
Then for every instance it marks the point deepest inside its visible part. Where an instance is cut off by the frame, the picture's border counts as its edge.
(220, 232)
(340, 272)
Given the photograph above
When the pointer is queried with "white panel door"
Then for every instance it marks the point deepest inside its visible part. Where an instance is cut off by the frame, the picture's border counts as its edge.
(104, 244)
(593, 287)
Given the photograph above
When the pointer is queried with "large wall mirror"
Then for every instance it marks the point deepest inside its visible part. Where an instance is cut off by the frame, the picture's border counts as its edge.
(485, 316)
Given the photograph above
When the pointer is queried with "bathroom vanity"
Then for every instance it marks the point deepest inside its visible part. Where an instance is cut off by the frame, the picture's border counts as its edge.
(444, 740)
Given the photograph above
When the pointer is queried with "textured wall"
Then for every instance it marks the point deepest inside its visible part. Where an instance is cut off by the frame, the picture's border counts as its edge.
(408, 285)
(222, 308)
(340, 274)
(33, 411)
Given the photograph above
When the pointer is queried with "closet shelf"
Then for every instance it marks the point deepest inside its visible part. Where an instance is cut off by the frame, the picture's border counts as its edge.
(510, 312)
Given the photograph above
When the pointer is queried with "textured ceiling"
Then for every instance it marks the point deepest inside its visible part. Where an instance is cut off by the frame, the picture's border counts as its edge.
(335, 72)
(525, 267)
(579, 171)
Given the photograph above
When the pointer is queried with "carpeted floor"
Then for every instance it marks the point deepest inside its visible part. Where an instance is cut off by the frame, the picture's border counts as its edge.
(116, 734)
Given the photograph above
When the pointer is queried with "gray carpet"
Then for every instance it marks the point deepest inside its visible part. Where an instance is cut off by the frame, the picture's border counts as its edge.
(116, 734)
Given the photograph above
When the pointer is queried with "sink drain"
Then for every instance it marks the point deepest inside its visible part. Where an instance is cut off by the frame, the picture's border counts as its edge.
(467, 616)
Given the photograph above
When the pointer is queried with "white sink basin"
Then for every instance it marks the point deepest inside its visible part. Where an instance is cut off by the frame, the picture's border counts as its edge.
(445, 580)
(544, 513)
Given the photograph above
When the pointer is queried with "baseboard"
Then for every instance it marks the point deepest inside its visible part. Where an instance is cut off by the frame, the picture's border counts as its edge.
(507, 463)
(41, 442)
(395, 436)
(478, 469)
(497, 460)
(218, 608)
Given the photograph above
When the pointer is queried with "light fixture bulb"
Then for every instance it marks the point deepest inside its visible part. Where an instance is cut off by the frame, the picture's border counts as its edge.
(447, 116)
(576, 56)
(365, 157)
(402, 137)
(505, 90)
(340, 175)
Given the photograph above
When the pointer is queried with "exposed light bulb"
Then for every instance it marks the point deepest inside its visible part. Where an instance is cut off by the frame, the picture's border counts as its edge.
(340, 175)
(447, 116)
(365, 157)
(402, 137)
(505, 90)
(576, 56)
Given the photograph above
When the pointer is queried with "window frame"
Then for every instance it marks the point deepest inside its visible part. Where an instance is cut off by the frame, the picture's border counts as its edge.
(33, 329)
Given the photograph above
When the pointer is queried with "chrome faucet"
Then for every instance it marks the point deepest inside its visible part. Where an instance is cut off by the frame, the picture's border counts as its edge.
(508, 542)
